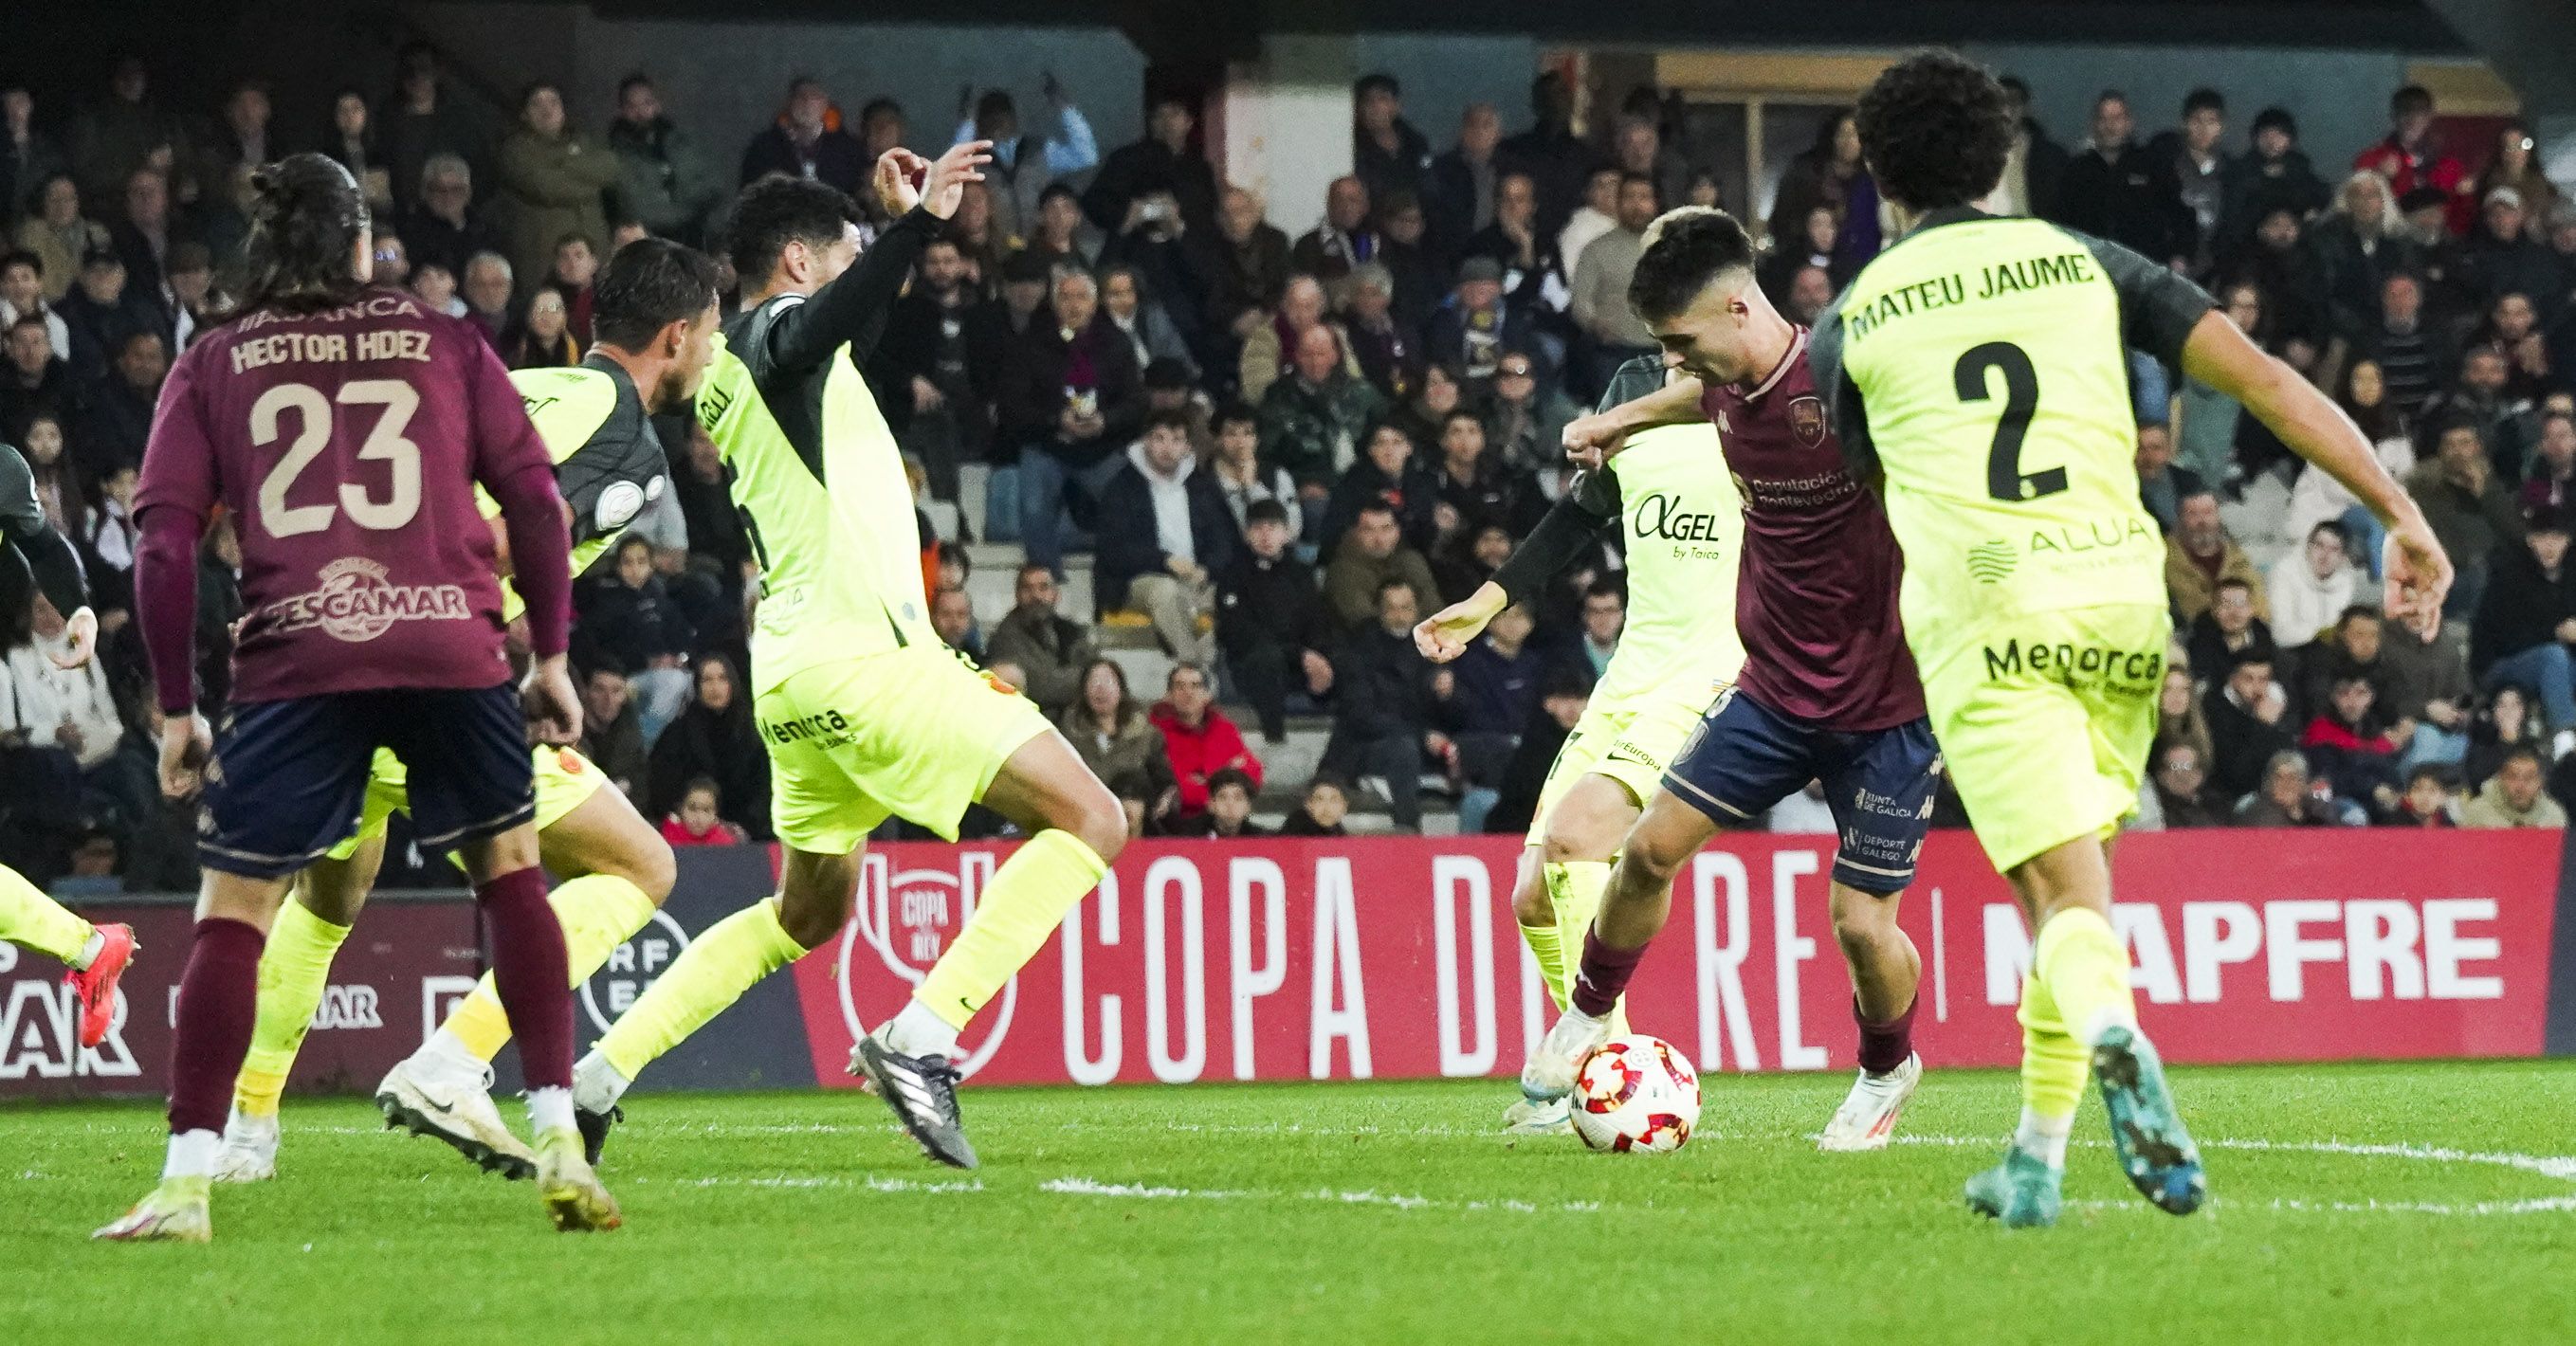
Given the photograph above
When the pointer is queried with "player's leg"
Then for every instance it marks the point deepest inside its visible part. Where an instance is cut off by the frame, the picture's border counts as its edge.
(96, 954)
(1634, 906)
(473, 789)
(285, 782)
(1076, 829)
(294, 971)
(1881, 788)
(1574, 830)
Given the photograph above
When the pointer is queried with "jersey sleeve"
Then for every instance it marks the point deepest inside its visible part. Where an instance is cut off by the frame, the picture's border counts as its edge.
(1844, 414)
(179, 469)
(852, 310)
(2158, 308)
(609, 479)
(1588, 507)
(56, 569)
(511, 462)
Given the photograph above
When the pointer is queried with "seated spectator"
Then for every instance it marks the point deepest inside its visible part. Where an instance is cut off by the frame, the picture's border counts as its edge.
(576, 266)
(2356, 646)
(1474, 327)
(1139, 317)
(807, 141)
(2164, 484)
(1270, 620)
(439, 229)
(1466, 558)
(1059, 235)
(1387, 472)
(1372, 556)
(2311, 588)
(1475, 487)
(2512, 325)
(715, 738)
(2428, 802)
(2317, 497)
(1320, 813)
(35, 380)
(1437, 392)
(1200, 741)
(2350, 748)
(2526, 624)
(952, 615)
(1071, 398)
(1270, 349)
(1535, 281)
(1312, 420)
(1341, 240)
(1495, 692)
(1229, 810)
(1050, 649)
(2200, 554)
(1605, 616)
(543, 337)
(2178, 715)
(1525, 419)
(1251, 271)
(120, 409)
(2498, 727)
(22, 295)
(629, 623)
(1239, 474)
(2181, 788)
(70, 710)
(103, 313)
(612, 733)
(1420, 277)
(2514, 798)
(1109, 731)
(486, 286)
(2469, 508)
(2508, 427)
(2428, 682)
(2245, 713)
(2284, 799)
(2503, 258)
(698, 821)
(550, 181)
(1389, 351)
(58, 234)
(1387, 705)
(1025, 165)
(2553, 466)
(1164, 532)
(1562, 699)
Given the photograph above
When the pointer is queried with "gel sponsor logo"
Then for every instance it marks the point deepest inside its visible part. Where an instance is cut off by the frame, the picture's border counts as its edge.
(1667, 518)
(2377, 948)
(355, 603)
(631, 969)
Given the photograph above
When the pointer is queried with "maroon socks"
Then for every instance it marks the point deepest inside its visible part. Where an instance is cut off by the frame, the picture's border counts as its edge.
(1884, 1046)
(218, 1000)
(1603, 975)
(529, 972)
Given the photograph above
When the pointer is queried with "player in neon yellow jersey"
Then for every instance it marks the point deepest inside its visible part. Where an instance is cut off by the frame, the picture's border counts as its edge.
(1981, 365)
(1678, 513)
(655, 320)
(865, 712)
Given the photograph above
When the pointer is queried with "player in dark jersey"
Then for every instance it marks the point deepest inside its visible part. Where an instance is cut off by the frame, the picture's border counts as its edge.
(345, 428)
(1827, 691)
(30, 549)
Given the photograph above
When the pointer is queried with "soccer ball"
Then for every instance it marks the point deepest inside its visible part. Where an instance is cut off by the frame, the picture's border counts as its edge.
(1635, 1095)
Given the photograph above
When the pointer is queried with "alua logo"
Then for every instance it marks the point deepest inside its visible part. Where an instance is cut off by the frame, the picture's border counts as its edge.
(1992, 561)
(631, 968)
(1665, 517)
(905, 921)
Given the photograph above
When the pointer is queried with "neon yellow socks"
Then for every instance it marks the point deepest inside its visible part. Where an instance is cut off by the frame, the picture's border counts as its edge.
(33, 920)
(1549, 950)
(1575, 887)
(294, 969)
(712, 973)
(2078, 986)
(598, 912)
(1024, 903)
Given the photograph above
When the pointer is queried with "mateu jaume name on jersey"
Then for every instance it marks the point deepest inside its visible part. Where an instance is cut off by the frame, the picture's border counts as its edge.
(308, 347)
(2002, 278)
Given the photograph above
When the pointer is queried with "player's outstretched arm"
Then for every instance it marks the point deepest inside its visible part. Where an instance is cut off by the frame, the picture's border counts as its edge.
(2418, 572)
(852, 310)
(1588, 507)
(1443, 635)
(1601, 435)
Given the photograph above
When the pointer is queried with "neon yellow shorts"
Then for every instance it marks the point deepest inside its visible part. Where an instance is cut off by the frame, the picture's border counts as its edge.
(2046, 722)
(917, 733)
(565, 778)
(1630, 743)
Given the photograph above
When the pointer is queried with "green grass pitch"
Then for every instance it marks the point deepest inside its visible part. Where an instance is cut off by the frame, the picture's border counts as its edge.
(2353, 1204)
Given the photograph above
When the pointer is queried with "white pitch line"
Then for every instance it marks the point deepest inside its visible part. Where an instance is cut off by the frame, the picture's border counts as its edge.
(1080, 1186)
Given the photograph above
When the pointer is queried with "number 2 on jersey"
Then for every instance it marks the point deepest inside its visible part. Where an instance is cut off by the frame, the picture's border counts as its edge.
(2004, 477)
(385, 443)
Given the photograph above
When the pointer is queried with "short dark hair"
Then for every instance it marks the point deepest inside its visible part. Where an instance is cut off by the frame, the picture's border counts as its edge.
(706, 783)
(2232, 581)
(2411, 98)
(2428, 771)
(1462, 412)
(1234, 777)
(1606, 589)
(1265, 511)
(628, 85)
(995, 103)
(2109, 96)
(22, 257)
(1165, 373)
(1691, 247)
(650, 284)
(879, 106)
(1377, 505)
(1376, 81)
(1056, 189)
(1627, 180)
(1392, 583)
(2332, 527)
(2358, 610)
(2276, 119)
(777, 211)
(1935, 130)
(2203, 98)
(1234, 412)
(1169, 418)
(2522, 752)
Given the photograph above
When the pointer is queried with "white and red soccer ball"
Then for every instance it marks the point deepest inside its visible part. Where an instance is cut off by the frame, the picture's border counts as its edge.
(1635, 1095)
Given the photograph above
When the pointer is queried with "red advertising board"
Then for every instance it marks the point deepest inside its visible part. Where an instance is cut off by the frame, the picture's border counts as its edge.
(1396, 958)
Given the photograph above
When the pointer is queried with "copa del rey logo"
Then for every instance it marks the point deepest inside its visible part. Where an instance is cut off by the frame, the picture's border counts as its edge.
(906, 919)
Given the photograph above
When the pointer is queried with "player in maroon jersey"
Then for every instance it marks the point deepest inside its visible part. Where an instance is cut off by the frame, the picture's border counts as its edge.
(1828, 692)
(345, 428)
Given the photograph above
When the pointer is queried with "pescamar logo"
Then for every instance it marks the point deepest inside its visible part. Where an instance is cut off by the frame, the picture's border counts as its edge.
(906, 920)
(348, 1007)
(353, 602)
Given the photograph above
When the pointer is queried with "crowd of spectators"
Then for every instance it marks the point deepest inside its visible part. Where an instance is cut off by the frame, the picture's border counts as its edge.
(1277, 452)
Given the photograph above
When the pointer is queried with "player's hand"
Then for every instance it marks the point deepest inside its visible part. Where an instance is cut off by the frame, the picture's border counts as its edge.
(2419, 575)
(898, 179)
(80, 636)
(186, 745)
(552, 706)
(1443, 635)
(1594, 439)
(944, 184)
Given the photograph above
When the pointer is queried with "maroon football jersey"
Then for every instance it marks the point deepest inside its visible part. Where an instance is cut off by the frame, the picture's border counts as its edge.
(1815, 602)
(346, 445)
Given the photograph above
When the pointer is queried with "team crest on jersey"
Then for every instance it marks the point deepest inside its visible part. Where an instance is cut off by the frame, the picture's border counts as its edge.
(1807, 420)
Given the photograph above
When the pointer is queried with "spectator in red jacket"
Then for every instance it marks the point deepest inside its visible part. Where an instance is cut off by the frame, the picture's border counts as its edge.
(1199, 738)
(696, 823)
(2408, 158)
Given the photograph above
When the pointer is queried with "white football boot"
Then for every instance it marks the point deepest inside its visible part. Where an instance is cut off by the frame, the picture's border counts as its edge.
(459, 1112)
(250, 1149)
(1552, 1118)
(1549, 1075)
(1868, 1115)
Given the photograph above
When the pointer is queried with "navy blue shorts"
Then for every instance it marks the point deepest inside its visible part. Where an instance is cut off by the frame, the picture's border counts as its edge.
(1746, 757)
(290, 777)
